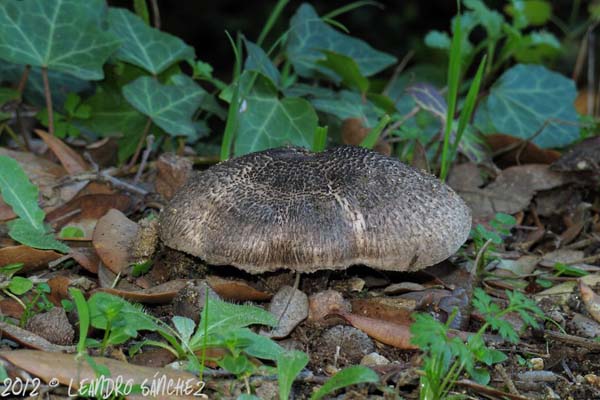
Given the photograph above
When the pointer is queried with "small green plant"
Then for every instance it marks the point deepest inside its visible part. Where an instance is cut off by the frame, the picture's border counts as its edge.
(447, 357)
(485, 240)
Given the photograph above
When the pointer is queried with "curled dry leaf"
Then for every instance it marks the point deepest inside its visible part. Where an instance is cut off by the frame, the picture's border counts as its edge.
(321, 304)
(590, 299)
(112, 239)
(32, 259)
(11, 308)
(69, 369)
(236, 290)
(290, 306)
(53, 326)
(31, 340)
(394, 310)
(160, 294)
(72, 162)
(84, 211)
(389, 333)
(173, 172)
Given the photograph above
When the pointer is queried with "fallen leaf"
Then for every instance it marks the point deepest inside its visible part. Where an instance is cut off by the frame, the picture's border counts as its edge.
(389, 333)
(104, 151)
(236, 290)
(32, 259)
(321, 304)
(159, 294)
(396, 310)
(509, 150)
(290, 306)
(31, 340)
(173, 172)
(464, 177)
(590, 299)
(512, 190)
(583, 156)
(72, 162)
(84, 211)
(112, 239)
(86, 257)
(69, 369)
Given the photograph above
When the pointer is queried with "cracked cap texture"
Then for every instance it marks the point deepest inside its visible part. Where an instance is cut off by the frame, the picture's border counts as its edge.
(303, 211)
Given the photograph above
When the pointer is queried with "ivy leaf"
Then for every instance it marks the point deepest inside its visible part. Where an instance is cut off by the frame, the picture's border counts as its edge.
(525, 98)
(429, 98)
(145, 46)
(345, 68)
(266, 121)
(22, 196)
(347, 104)
(309, 36)
(171, 107)
(49, 34)
(258, 61)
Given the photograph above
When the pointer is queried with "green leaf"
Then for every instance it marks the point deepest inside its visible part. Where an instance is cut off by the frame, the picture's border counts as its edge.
(24, 233)
(258, 61)
(568, 270)
(171, 107)
(429, 98)
(257, 345)
(535, 12)
(141, 9)
(71, 232)
(289, 365)
(438, 40)
(347, 104)
(346, 68)
(265, 121)
(20, 194)
(346, 377)
(371, 139)
(8, 94)
(185, 327)
(49, 34)
(107, 310)
(19, 285)
(525, 98)
(490, 19)
(309, 35)
(145, 46)
(9, 270)
(111, 114)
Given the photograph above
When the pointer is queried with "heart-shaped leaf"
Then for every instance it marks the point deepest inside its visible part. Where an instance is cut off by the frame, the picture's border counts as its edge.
(171, 107)
(265, 121)
(527, 98)
(49, 34)
(309, 35)
(145, 46)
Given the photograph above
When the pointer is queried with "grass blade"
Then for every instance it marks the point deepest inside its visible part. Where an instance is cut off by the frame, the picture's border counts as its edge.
(320, 138)
(232, 113)
(371, 139)
(271, 20)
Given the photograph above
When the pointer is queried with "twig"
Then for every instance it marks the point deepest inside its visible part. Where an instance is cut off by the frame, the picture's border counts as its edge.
(573, 340)
(104, 176)
(507, 380)
(155, 13)
(48, 96)
(489, 390)
(400, 122)
(145, 155)
(398, 70)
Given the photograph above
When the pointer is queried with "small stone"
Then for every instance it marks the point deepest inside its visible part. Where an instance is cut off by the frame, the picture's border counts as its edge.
(53, 326)
(345, 344)
(324, 303)
(374, 360)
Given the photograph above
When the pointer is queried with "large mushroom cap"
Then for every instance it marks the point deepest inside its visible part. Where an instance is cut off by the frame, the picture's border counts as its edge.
(290, 208)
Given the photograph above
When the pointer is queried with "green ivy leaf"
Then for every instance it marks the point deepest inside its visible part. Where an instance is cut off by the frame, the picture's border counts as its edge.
(524, 98)
(347, 104)
(171, 107)
(309, 35)
(49, 34)
(265, 121)
(258, 61)
(145, 46)
(345, 68)
(438, 40)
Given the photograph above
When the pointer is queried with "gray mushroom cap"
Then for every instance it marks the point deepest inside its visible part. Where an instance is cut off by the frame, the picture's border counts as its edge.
(290, 208)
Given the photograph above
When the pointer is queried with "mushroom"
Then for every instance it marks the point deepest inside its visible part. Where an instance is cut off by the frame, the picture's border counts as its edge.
(291, 208)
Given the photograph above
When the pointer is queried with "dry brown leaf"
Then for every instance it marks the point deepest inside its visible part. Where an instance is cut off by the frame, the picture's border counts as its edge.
(72, 162)
(321, 304)
(159, 294)
(290, 306)
(510, 150)
(104, 151)
(32, 259)
(419, 157)
(31, 340)
(173, 172)
(69, 369)
(11, 308)
(590, 299)
(112, 239)
(465, 177)
(84, 211)
(236, 290)
(389, 333)
(86, 257)
(392, 309)
(512, 190)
